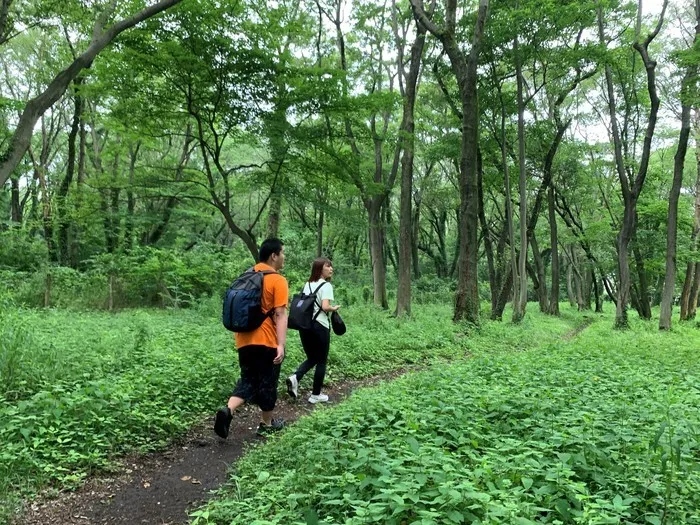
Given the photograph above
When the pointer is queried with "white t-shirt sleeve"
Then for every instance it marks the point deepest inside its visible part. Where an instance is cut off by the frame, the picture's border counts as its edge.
(326, 292)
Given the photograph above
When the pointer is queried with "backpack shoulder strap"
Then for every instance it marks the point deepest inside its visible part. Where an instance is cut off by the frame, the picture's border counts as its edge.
(320, 306)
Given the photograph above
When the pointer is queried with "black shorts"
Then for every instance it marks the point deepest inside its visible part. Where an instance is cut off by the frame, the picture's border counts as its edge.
(259, 376)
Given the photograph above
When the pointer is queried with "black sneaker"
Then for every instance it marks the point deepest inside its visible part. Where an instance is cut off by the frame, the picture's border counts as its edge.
(222, 422)
(276, 426)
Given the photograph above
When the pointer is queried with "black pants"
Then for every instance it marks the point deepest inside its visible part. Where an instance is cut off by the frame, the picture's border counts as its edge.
(316, 343)
(259, 376)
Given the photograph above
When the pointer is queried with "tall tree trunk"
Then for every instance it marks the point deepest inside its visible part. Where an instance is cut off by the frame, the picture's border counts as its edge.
(465, 70)
(515, 281)
(690, 269)
(319, 234)
(570, 293)
(630, 189)
(276, 130)
(694, 293)
(554, 241)
(407, 144)
(643, 298)
(21, 139)
(520, 307)
(15, 208)
(488, 248)
(5, 28)
(376, 249)
(40, 167)
(504, 294)
(598, 294)
(541, 275)
(130, 199)
(63, 189)
(674, 194)
(75, 231)
(415, 237)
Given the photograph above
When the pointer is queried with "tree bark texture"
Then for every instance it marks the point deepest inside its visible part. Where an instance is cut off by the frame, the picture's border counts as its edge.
(465, 70)
(407, 144)
(554, 241)
(521, 305)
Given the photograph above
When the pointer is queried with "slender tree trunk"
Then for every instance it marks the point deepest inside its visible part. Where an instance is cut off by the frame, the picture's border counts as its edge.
(5, 28)
(541, 275)
(276, 130)
(376, 249)
(415, 238)
(644, 304)
(589, 283)
(515, 281)
(407, 144)
(570, 284)
(554, 241)
(46, 216)
(519, 309)
(598, 294)
(694, 293)
(319, 234)
(130, 199)
(15, 208)
(488, 248)
(62, 205)
(503, 296)
(690, 270)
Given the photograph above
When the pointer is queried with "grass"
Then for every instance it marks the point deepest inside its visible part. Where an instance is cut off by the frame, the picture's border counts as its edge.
(600, 428)
(78, 390)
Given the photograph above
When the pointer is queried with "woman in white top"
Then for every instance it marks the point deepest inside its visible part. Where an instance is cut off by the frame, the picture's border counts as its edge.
(316, 342)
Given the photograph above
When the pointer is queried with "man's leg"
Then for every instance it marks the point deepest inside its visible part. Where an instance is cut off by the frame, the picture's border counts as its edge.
(267, 392)
(242, 391)
(234, 402)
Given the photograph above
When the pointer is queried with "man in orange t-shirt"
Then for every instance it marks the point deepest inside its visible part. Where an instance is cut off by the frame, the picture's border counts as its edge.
(261, 351)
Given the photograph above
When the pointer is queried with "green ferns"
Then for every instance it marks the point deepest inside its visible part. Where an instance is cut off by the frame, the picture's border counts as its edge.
(599, 429)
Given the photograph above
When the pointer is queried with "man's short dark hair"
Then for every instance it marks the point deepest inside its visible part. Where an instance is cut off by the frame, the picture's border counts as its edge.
(268, 247)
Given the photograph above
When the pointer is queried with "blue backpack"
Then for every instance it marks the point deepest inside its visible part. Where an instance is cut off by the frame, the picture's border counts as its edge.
(242, 310)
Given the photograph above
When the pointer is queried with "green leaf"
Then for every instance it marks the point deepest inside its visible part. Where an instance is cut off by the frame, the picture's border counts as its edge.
(263, 476)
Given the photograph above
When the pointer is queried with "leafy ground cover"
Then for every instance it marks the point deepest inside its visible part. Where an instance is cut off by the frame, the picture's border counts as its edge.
(601, 428)
(79, 389)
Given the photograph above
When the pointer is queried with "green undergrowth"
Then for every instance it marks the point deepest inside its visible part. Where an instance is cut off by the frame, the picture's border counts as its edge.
(79, 389)
(602, 427)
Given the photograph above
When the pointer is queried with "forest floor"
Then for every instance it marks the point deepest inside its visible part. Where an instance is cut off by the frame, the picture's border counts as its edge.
(160, 488)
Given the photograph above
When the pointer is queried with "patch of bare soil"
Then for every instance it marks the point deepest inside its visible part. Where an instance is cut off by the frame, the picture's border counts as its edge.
(587, 321)
(160, 488)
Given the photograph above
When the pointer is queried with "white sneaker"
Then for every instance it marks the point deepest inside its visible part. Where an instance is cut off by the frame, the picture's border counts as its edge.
(293, 386)
(321, 398)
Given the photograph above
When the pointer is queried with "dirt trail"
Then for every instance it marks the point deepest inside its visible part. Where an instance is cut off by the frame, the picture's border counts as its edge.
(160, 488)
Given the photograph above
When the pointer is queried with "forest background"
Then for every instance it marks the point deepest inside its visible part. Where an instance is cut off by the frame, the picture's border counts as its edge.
(494, 152)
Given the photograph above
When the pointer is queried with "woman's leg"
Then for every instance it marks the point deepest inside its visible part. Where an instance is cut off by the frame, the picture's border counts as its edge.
(323, 336)
(310, 343)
